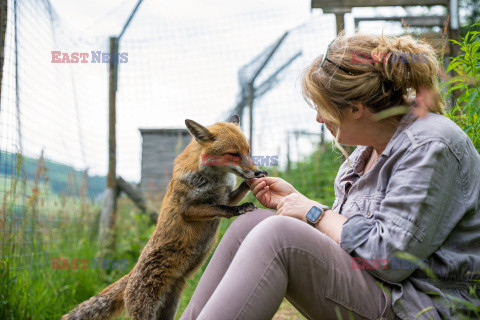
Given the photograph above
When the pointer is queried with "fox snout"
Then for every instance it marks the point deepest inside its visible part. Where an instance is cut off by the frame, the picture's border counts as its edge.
(251, 174)
(248, 173)
(261, 174)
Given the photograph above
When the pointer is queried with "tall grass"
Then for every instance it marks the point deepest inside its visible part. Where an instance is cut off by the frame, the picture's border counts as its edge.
(66, 227)
(38, 225)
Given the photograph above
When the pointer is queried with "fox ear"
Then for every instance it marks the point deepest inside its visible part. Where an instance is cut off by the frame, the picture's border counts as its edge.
(235, 119)
(198, 132)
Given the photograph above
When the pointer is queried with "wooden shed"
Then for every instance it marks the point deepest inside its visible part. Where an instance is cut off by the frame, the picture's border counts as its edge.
(160, 147)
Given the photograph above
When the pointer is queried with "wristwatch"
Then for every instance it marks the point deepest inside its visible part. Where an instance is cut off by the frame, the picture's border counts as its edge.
(315, 214)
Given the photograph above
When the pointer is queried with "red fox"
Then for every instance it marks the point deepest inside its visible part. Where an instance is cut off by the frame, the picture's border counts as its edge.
(197, 196)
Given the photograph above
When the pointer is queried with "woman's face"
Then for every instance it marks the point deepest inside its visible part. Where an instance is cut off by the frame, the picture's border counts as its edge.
(330, 126)
(357, 121)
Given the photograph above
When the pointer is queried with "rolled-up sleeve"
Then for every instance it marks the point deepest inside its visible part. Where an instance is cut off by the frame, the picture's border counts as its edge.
(410, 213)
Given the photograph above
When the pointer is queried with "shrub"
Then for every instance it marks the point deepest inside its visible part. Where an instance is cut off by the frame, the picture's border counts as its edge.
(466, 81)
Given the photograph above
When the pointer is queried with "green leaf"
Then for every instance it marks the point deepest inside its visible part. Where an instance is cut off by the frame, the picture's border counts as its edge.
(472, 97)
(452, 65)
(455, 41)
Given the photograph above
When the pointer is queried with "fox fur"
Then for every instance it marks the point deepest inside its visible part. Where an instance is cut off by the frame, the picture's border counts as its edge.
(196, 198)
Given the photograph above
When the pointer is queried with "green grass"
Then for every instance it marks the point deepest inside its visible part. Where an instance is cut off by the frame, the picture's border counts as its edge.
(31, 289)
(39, 225)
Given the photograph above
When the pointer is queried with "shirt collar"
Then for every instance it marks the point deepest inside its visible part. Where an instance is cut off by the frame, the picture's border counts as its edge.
(361, 161)
(407, 119)
(366, 151)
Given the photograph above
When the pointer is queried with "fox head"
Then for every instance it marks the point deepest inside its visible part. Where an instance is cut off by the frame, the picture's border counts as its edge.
(223, 148)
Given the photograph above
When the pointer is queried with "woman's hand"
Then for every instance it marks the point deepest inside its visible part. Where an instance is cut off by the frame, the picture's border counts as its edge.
(270, 190)
(295, 205)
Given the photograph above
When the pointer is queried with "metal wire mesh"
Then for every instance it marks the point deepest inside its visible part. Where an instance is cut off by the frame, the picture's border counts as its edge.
(53, 115)
(197, 70)
(47, 141)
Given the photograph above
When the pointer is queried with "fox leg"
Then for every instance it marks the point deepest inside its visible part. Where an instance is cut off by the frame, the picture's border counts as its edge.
(146, 297)
(207, 212)
(238, 194)
(168, 310)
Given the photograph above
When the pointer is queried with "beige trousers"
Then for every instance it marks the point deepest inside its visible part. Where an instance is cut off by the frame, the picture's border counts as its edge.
(263, 258)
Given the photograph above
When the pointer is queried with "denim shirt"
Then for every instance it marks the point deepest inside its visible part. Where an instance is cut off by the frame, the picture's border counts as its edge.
(421, 197)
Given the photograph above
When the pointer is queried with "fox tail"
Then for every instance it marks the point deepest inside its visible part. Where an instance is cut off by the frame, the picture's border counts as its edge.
(104, 306)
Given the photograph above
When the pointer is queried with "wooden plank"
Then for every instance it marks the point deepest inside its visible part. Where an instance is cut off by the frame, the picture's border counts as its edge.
(435, 39)
(109, 211)
(340, 22)
(330, 4)
(420, 21)
(3, 29)
(137, 198)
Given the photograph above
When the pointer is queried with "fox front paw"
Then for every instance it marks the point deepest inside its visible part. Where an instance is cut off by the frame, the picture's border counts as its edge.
(246, 207)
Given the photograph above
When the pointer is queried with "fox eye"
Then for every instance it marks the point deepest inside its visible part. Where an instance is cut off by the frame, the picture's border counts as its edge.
(234, 154)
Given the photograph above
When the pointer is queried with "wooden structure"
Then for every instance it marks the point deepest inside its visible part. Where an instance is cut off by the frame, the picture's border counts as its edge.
(109, 209)
(435, 39)
(3, 30)
(340, 7)
(159, 148)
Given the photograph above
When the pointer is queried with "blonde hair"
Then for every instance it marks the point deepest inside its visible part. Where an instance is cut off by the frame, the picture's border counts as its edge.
(383, 72)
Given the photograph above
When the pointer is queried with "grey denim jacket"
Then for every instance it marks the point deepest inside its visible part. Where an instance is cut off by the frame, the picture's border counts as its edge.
(421, 197)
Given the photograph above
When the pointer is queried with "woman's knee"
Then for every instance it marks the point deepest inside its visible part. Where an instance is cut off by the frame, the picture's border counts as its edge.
(244, 223)
(279, 232)
(269, 233)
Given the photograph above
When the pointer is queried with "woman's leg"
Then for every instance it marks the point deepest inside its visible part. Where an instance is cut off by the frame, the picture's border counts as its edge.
(283, 256)
(218, 265)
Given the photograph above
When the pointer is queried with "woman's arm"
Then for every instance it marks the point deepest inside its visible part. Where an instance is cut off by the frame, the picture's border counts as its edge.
(412, 218)
(296, 205)
(417, 213)
(331, 224)
(276, 193)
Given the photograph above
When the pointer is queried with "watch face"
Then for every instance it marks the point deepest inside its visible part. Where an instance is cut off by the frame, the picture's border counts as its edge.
(313, 214)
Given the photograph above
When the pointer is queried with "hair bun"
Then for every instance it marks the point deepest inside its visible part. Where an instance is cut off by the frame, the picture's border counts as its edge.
(377, 71)
(408, 62)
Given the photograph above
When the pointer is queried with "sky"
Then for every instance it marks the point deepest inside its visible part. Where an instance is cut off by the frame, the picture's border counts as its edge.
(183, 62)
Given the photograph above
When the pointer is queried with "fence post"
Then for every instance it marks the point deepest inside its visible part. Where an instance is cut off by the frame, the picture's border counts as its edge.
(3, 28)
(109, 211)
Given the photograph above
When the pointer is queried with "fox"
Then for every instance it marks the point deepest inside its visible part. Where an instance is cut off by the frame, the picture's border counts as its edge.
(197, 197)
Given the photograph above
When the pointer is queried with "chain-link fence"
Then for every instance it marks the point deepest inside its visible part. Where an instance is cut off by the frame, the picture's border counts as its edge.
(201, 71)
(53, 116)
(48, 143)
(198, 65)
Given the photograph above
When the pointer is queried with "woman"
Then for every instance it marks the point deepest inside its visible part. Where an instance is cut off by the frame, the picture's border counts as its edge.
(412, 185)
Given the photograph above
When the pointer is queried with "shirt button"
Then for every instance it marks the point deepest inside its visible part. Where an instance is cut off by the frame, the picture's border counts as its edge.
(368, 214)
